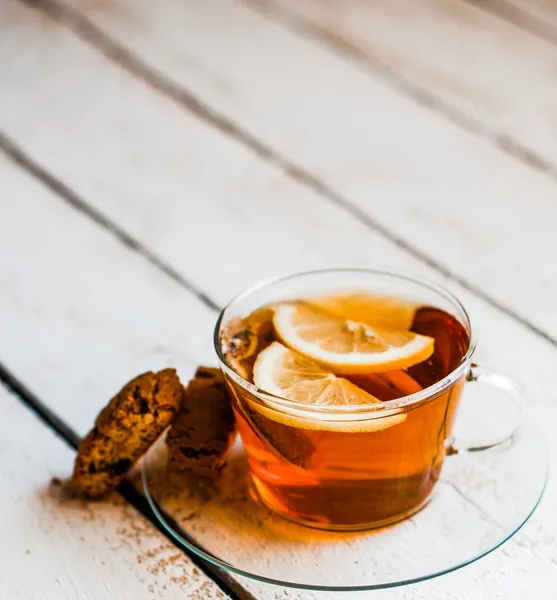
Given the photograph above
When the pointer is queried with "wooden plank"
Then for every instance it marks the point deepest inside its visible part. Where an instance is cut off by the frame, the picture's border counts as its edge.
(351, 238)
(56, 546)
(381, 151)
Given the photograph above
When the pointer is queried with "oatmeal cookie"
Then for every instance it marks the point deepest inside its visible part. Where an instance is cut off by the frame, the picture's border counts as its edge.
(125, 429)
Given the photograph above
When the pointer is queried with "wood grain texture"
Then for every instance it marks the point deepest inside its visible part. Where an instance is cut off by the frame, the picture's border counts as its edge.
(536, 16)
(457, 199)
(59, 547)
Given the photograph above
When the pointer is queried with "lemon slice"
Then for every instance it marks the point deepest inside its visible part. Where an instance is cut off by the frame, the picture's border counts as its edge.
(365, 307)
(285, 373)
(290, 375)
(345, 346)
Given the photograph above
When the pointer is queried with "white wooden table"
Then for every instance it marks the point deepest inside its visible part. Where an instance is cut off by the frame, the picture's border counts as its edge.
(157, 157)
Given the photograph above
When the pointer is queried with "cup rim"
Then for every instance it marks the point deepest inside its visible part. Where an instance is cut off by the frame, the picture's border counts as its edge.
(362, 411)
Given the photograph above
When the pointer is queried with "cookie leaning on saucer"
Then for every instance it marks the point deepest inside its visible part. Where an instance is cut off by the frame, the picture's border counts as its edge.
(124, 431)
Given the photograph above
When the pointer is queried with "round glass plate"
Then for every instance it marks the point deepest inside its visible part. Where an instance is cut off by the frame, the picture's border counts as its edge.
(481, 500)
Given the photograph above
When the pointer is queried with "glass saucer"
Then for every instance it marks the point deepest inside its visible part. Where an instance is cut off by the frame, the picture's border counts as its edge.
(481, 500)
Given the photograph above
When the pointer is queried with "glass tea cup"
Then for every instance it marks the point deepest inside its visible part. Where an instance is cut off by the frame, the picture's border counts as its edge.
(353, 467)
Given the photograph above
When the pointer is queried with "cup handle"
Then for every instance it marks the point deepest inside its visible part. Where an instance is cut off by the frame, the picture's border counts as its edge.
(513, 389)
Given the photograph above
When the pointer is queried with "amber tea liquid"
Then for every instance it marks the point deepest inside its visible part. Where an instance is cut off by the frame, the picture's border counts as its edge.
(357, 476)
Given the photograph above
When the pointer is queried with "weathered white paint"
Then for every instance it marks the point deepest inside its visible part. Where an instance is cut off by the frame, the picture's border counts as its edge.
(449, 193)
(127, 146)
(55, 547)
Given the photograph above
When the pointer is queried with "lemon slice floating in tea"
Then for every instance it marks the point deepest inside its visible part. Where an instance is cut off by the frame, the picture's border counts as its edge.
(290, 375)
(287, 374)
(385, 312)
(346, 346)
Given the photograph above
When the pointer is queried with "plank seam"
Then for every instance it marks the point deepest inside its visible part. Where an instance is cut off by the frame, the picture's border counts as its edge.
(403, 85)
(222, 580)
(518, 17)
(63, 192)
